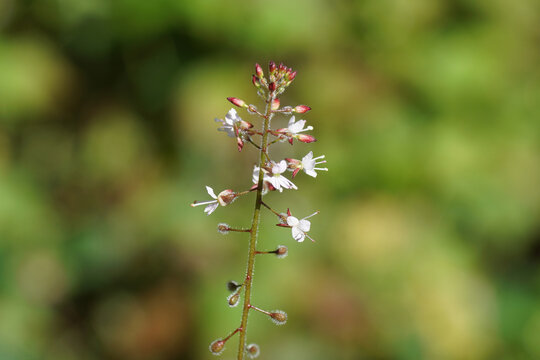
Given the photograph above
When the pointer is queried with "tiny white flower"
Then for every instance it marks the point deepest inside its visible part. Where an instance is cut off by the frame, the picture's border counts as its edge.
(228, 125)
(224, 198)
(298, 126)
(279, 181)
(308, 164)
(300, 227)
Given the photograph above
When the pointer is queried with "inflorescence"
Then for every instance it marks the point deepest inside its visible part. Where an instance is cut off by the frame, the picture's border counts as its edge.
(267, 176)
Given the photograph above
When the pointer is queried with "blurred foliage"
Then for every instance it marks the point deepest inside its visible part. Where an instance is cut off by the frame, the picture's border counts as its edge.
(428, 242)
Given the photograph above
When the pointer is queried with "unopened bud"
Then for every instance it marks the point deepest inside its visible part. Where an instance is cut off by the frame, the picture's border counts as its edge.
(300, 109)
(217, 346)
(281, 251)
(223, 228)
(253, 351)
(239, 143)
(259, 70)
(272, 86)
(275, 104)
(226, 197)
(233, 299)
(232, 285)
(272, 67)
(255, 81)
(278, 317)
(237, 102)
(305, 138)
(292, 76)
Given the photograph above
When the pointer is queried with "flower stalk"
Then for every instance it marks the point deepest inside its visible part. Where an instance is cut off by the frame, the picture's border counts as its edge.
(268, 176)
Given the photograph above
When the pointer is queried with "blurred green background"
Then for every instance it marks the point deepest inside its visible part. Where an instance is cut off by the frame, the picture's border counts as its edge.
(428, 241)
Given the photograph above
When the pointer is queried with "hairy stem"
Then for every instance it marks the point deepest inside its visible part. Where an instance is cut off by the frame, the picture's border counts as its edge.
(254, 232)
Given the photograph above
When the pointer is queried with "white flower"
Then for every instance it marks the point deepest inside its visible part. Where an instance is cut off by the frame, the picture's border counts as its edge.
(224, 198)
(298, 126)
(308, 164)
(279, 181)
(274, 178)
(228, 125)
(300, 227)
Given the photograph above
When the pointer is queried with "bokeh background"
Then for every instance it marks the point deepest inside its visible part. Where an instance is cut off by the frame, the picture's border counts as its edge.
(428, 240)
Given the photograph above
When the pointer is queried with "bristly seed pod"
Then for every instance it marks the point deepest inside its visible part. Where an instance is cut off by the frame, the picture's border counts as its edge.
(233, 299)
(278, 317)
(223, 228)
(281, 251)
(232, 285)
(217, 347)
(253, 351)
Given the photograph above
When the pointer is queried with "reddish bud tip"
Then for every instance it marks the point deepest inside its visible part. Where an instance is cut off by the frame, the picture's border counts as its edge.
(255, 81)
(290, 140)
(253, 351)
(275, 104)
(289, 212)
(292, 76)
(272, 67)
(306, 138)
(237, 102)
(272, 86)
(240, 143)
(301, 109)
(295, 171)
(259, 70)
(278, 317)
(217, 347)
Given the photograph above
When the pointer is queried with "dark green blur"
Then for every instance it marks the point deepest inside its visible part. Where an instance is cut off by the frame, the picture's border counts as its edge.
(428, 241)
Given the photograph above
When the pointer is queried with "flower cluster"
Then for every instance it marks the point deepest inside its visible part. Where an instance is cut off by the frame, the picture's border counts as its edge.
(268, 175)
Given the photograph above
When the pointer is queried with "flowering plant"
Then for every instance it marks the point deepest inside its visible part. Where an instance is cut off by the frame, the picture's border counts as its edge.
(268, 175)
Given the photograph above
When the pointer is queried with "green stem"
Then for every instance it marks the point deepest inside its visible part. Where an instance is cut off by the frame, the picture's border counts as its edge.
(254, 232)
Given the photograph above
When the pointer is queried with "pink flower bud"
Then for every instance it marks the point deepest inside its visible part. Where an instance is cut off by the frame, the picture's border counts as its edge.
(292, 76)
(275, 104)
(244, 125)
(272, 67)
(255, 81)
(240, 143)
(305, 138)
(259, 70)
(226, 197)
(301, 109)
(237, 102)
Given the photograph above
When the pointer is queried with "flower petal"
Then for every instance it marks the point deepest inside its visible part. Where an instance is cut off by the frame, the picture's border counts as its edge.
(211, 192)
(292, 221)
(298, 234)
(211, 208)
(304, 225)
